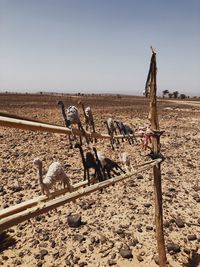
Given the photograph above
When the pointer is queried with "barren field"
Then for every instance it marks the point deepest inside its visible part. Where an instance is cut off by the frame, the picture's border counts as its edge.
(122, 216)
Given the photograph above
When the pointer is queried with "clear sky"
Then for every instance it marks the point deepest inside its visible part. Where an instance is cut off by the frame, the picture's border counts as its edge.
(99, 46)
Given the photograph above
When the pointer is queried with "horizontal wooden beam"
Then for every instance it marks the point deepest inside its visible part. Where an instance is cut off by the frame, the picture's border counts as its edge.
(23, 124)
(41, 208)
(43, 198)
(32, 202)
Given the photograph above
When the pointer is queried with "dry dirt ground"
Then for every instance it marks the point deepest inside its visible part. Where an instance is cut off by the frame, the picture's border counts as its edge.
(122, 216)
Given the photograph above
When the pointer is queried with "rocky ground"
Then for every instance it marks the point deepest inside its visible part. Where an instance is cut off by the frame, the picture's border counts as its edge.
(117, 226)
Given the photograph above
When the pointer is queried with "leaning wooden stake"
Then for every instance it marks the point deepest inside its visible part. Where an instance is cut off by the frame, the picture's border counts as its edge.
(153, 117)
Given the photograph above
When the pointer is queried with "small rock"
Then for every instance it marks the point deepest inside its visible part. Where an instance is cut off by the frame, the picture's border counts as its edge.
(56, 255)
(106, 253)
(83, 250)
(120, 232)
(5, 206)
(192, 237)
(103, 239)
(179, 222)
(53, 244)
(174, 248)
(68, 263)
(126, 253)
(39, 264)
(5, 258)
(111, 262)
(113, 256)
(82, 264)
(132, 184)
(76, 259)
(147, 205)
(43, 253)
(74, 220)
(198, 221)
(140, 177)
(133, 242)
(79, 238)
(21, 254)
(187, 251)
(90, 247)
(139, 258)
(17, 188)
(149, 228)
(166, 224)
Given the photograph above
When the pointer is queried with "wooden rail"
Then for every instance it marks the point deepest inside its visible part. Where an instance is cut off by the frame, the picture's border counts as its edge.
(24, 124)
(30, 212)
(32, 202)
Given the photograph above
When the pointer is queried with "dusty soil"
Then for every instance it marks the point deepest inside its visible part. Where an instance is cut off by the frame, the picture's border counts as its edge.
(120, 216)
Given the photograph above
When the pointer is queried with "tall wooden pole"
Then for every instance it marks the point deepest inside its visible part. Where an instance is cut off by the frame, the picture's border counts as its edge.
(153, 117)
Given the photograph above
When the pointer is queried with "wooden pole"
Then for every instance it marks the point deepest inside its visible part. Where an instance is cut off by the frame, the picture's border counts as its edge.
(23, 124)
(153, 117)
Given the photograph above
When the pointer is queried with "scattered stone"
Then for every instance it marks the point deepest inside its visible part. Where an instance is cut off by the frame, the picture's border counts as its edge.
(90, 247)
(74, 220)
(198, 221)
(132, 184)
(83, 250)
(76, 259)
(149, 228)
(46, 237)
(17, 188)
(140, 177)
(133, 242)
(37, 256)
(196, 197)
(38, 218)
(120, 232)
(179, 222)
(106, 253)
(103, 239)
(139, 258)
(192, 237)
(166, 224)
(82, 264)
(43, 253)
(111, 262)
(126, 253)
(113, 256)
(39, 264)
(173, 248)
(53, 244)
(56, 255)
(5, 205)
(187, 251)
(147, 205)
(5, 258)
(79, 238)
(21, 254)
